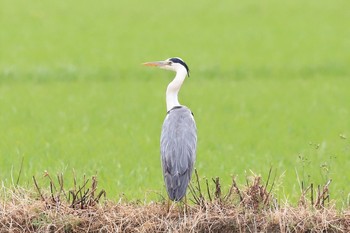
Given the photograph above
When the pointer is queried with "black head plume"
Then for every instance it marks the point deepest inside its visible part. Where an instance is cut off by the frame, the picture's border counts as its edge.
(177, 60)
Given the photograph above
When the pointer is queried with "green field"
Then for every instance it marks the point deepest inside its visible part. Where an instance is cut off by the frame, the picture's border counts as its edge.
(269, 86)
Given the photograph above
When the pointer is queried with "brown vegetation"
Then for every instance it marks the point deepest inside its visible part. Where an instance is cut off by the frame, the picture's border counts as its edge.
(249, 209)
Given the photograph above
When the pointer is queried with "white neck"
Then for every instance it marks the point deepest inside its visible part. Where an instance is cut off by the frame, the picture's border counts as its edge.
(173, 89)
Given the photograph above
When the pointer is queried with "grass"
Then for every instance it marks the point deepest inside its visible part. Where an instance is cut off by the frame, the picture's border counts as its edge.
(248, 208)
(87, 127)
(268, 86)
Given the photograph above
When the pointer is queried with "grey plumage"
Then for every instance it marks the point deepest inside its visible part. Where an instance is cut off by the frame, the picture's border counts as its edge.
(178, 150)
(178, 140)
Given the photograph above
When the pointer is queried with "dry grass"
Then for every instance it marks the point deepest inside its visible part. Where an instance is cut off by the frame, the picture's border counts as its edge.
(249, 209)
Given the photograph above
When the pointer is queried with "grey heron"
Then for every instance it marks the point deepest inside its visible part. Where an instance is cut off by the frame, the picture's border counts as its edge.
(178, 141)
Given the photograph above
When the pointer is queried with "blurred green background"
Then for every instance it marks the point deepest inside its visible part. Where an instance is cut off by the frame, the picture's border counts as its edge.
(269, 86)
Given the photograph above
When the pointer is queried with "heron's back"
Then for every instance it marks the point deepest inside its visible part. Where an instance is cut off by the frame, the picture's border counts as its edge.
(178, 150)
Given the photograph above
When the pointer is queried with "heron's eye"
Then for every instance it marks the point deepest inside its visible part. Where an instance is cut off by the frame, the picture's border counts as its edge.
(170, 63)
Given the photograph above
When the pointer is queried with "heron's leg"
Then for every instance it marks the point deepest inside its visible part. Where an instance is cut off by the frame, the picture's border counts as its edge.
(182, 205)
(168, 205)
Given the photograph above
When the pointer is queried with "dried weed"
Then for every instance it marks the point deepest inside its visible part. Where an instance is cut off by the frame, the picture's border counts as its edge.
(251, 208)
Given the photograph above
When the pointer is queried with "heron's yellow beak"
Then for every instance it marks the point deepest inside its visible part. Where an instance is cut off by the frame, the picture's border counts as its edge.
(155, 63)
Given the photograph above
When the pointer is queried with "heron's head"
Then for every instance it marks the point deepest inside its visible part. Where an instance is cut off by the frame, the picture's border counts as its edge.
(175, 64)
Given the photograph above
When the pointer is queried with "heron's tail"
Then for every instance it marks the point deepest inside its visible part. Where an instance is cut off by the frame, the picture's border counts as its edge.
(176, 185)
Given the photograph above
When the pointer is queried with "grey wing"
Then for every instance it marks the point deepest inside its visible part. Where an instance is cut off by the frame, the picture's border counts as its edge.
(178, 151)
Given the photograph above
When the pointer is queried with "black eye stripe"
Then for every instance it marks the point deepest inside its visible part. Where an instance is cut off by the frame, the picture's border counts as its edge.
(176, 60)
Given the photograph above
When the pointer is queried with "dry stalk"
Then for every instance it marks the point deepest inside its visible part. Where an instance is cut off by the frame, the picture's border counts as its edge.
(20, 172)
(323, 195)
(22, 212)
(208, 190)
(38, 189)
(81, 198)
(217, 188)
